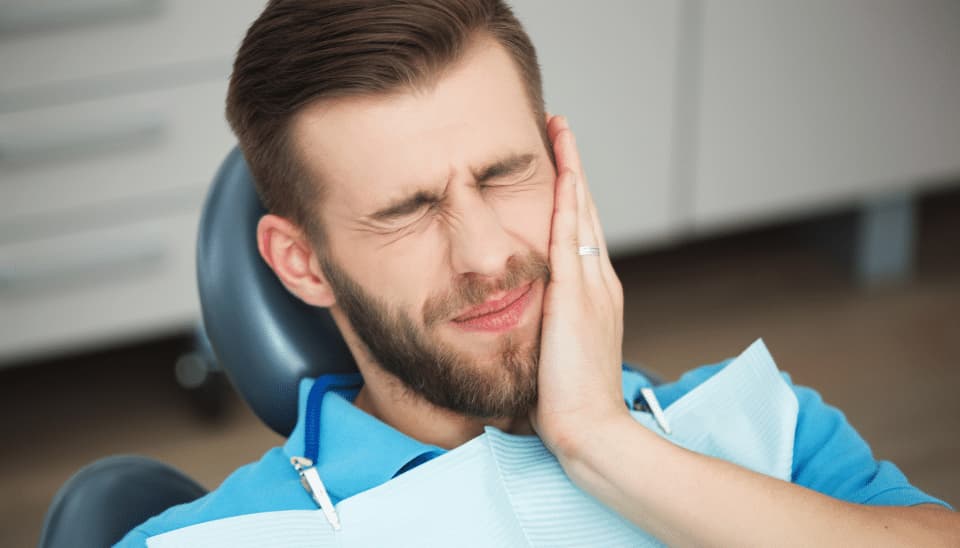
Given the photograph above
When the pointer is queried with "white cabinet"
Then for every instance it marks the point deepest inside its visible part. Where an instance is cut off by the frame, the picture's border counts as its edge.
(114, 42)
(80, 288)
(111, 127)
(68, 157)
(821, 103)
(706, 115)
(609, 66)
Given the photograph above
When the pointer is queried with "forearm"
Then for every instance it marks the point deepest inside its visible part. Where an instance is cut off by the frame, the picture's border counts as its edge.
(685, 498)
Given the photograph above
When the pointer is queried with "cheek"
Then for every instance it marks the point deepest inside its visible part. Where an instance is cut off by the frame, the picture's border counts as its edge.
(528, 217)
(414, 270)
(400, 275)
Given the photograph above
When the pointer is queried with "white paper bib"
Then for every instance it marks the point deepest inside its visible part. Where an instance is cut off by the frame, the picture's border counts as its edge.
(505, 490)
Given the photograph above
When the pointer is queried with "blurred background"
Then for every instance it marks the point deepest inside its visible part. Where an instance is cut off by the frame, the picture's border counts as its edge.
(763, 168)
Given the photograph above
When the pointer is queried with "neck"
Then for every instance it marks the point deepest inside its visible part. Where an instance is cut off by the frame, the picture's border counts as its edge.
(384, 397)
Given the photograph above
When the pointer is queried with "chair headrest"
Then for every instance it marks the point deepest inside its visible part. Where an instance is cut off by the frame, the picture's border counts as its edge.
(265, 338)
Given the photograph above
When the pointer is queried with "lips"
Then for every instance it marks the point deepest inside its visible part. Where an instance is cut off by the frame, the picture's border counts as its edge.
(498, 314)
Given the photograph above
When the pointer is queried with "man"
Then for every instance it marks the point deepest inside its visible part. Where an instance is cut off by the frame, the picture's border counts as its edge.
(418, 190)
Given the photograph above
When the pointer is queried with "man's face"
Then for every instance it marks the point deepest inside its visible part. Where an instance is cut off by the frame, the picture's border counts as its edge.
(436, 214)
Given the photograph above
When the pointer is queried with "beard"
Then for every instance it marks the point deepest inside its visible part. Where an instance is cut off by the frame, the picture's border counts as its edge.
(434, 369)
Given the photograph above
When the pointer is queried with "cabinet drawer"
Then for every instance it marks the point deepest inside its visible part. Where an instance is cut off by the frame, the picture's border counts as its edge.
(75, 156)
(52, 41)
(97, 286)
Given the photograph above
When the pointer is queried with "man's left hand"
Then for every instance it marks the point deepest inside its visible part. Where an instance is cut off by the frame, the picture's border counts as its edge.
(579, 382)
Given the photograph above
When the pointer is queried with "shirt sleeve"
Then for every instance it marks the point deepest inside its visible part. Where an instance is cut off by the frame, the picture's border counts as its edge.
(829, 455)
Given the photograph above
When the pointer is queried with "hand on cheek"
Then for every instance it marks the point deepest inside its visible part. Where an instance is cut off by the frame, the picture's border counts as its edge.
(580, 349)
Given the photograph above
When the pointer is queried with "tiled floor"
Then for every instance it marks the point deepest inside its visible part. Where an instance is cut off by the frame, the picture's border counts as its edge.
(889, 357)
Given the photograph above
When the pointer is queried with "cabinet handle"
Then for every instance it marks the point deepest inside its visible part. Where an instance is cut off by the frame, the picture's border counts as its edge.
(90, 269)
(30, 15)
(51, 144)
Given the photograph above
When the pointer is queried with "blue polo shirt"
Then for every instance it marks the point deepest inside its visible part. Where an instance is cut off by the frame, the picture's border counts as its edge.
(358, 452)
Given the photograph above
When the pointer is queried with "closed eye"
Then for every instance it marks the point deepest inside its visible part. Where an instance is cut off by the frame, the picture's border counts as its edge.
(413, 219)
(516, 173)
(405, 208)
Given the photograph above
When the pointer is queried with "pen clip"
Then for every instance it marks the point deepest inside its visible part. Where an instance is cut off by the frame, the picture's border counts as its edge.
(654, 405)
(310, 479)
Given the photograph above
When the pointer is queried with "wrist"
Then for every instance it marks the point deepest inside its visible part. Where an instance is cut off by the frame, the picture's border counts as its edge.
(596, 462)
(589, 441)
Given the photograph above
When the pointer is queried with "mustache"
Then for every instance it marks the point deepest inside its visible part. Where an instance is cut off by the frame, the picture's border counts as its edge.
(469, 291)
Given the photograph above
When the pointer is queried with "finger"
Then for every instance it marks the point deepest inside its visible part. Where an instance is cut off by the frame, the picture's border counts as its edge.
(552, 121)
(585, 231)
(606, 265)
(565, 265)
(569, 158)
(554, 125)
(557, 123)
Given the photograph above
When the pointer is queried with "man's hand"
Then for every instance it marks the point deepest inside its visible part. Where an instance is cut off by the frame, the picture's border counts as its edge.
(579, 382)
(681, 497)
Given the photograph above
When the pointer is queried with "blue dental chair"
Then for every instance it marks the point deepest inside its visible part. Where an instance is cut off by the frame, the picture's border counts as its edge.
(264, 338)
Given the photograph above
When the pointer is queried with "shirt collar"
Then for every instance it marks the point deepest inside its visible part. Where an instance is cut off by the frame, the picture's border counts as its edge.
(357, 451)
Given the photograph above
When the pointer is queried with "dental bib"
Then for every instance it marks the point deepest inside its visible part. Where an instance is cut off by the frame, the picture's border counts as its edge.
(504, 490)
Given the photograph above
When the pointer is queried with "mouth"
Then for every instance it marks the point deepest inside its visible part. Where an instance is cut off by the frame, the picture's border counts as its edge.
(496, 315)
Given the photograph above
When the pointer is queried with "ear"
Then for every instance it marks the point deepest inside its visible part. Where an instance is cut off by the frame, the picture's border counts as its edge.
(287, 250)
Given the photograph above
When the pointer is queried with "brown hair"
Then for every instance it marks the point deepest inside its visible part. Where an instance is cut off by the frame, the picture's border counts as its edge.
(302, 51)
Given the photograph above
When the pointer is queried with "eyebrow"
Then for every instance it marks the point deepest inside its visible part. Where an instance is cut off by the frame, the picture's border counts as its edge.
(509, 165)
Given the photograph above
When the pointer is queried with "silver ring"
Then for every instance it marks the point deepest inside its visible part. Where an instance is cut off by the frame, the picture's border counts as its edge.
(588, 250)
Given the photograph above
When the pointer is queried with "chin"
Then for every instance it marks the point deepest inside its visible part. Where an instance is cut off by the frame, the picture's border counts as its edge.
(490, 347)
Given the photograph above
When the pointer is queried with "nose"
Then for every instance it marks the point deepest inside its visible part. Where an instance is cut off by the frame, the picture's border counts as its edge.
(479, 243)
